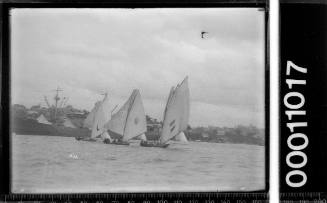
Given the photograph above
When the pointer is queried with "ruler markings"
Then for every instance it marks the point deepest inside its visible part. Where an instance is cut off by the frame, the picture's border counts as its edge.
(143, 197)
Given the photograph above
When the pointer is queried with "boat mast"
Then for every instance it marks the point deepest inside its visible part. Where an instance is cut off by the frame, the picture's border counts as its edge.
(56, 98)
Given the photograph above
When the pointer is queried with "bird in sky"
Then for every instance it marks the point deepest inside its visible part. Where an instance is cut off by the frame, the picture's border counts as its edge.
(202, 33)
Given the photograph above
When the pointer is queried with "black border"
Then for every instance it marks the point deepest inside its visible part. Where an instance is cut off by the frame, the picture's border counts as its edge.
(5, 173)
(303, 41)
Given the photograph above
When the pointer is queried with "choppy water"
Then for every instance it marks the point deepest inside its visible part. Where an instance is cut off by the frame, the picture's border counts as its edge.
(62, 164)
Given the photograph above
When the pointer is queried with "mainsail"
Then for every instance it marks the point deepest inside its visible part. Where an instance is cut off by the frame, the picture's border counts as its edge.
(88, 122)
(129, 121)
(184, 93)
(136, 121)
(102, 115)
(176, 112)
(118, 119)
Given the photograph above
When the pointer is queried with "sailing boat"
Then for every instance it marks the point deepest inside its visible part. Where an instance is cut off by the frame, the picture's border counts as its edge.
(129, 121)
(97, 119)
(176, 115)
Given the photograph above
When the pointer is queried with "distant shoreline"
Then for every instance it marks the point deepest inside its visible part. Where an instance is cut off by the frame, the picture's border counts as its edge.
(44, 135)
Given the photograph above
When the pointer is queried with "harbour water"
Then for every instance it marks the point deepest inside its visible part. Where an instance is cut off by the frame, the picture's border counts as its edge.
(51, 164)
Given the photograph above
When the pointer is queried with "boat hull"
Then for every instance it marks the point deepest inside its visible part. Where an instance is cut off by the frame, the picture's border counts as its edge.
(22, 126)
(153, 144)
(107, 141)
(85, 139)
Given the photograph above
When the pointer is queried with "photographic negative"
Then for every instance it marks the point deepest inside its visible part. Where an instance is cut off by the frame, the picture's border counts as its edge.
(137, 100)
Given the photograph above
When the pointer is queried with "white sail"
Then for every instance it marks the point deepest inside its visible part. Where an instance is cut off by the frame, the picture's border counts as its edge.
(136, 122)
(184, 93)
(171, 93)
(180, 137)
(172, 119)
(43, 120)
(118, 120)
(176, 112)
(89, 120)
(129, 121)
(102, 116)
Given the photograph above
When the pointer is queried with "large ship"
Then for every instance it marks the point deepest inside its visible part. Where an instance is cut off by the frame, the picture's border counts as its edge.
(57, 119)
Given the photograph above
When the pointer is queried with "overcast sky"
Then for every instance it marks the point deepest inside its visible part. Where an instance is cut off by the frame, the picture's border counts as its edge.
(89, 51)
